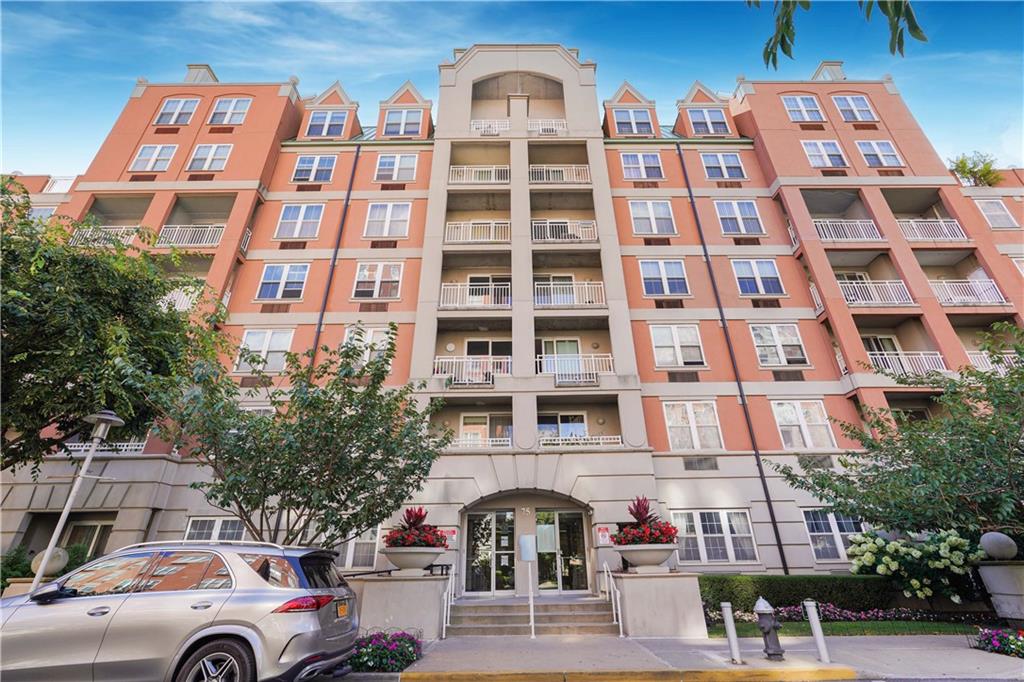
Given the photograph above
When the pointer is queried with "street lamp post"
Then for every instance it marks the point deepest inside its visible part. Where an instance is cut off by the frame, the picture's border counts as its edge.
(101, 421)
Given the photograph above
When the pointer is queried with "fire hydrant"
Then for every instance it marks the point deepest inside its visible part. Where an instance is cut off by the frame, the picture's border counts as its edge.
(769, 626)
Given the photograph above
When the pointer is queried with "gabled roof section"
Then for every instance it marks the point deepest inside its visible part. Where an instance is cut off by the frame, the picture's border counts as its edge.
(333, 96)
(700, 94)
(627, 94)
(406, 95)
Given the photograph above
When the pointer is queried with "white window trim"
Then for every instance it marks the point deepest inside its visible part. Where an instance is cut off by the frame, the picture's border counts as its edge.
(153, 159)
(394, 171)
(1019, 262)
(877, 152)
(836, 537)
(692, 425)
(805, 432)
(664, 277)
(327, 123)
(650, 208)
(387, 220)
(177, 110)
(777, 342)
(676, 345)
(218, 522)
(230, 111)
(642, 166)
(856, 114)
(632, 120)
(1005, 210)
(262, 352)
(708, 122)
(739, 217)
(757, 276)
(284, 278)
(820, 147)
(312, 174)
(370, 339)
(407, 118)
(91, 550)
(377, 280)
(298, 222)
(350, 551)
(803, 109)
(724, 520)
(720, 163)
(209, 159)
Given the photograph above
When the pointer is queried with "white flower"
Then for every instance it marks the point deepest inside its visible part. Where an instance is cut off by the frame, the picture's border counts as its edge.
(915, 583)
(880, 542)
(955, 598)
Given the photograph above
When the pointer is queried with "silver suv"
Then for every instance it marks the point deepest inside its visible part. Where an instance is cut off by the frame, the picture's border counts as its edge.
(185, 612)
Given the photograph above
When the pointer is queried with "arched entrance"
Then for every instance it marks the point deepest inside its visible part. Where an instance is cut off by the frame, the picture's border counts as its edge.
(490, 559)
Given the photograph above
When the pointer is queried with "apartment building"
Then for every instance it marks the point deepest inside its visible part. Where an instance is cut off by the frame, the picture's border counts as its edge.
(611, 305)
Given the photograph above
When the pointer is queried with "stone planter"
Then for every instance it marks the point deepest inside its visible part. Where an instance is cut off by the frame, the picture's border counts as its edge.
(1004, 581)
(412, 560)
(646, 558)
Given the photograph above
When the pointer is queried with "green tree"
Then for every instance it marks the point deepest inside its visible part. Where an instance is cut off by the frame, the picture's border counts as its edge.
(898, 13)
(977, 170)
(83, 328)
(962, 469)
(336, 453)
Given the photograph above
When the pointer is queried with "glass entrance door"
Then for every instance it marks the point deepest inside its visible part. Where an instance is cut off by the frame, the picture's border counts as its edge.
(491, 552)
(561, 551)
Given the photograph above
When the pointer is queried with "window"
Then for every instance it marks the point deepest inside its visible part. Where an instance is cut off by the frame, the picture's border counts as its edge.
(641, 166)
(378, 280)
(313, 169)
(739, 217)
(878, 153)
(830, 533)
(402, 122)
(854, 108)
(664, 278)
(177, 112)
(93, 536)
(209, 157)
(824, 154)
(230, 111)
(562, 425)
(299, 221)
(692, 425)
(396, 167)
(803, 424)
(326, 123)
(722, 166)
(283, 281)
(778, 345)
(708, 121)
(676, 345)
(996, 213)
(361, 551)
(757, 277)
(633, 122)
(652, 217)
(116, 575)
(715, 536)
(41, 212)
(215, 528)
(802, 108)
(153, 157)
(373, 339)
(387, 220)
(270, 344)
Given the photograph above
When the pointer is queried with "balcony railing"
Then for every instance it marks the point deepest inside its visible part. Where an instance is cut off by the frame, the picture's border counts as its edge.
(819, 307)
(841, 361)
(478, 175)
(478, 232)
(564, 231)
(943, 230)
(793, 238)
(181, 299)
(847, 230)
(578, 441)
(560, 173)
(470, 442)
(566, 294)
(124, 447)
(576, 370)
(884, 292)
(907, 363)
(104, 235)
(246, 239)
(489, 126)
(987, 362)
(195, 236)
(457, 295)
(967, 292)
(545, 126)
(472, 370)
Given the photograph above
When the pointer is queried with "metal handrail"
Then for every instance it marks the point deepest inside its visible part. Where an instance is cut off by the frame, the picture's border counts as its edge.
(103, 235)
(579, 441)
(463, 175)
(999, 363)
(546, 126)
(967, 292)
(575, 369)
(460, 295)
(466, 443)
(907, 363)
(876, 292)
(472, 369)
(553, 230)
(932, 230)
(568, 294)
(615, 597)
(562, 173)
(447, 600)
(478, 232)
(489, 126)
(819, 306)
(190, 235)
(846, 230)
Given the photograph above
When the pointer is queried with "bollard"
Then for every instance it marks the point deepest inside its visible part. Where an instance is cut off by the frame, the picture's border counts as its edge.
(811, 607)
(769, 626)
(730, 633)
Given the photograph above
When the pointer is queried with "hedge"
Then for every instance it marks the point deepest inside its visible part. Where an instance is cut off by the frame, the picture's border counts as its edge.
(855, 592)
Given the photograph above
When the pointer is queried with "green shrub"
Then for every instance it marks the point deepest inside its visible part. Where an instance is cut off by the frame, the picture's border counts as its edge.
(14, 564)
(859, 593)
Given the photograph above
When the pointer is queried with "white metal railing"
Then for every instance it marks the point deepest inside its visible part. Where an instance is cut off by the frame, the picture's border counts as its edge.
(472, 370)
(126, 447)
(882, 292)
(246, 238)
(181, 299)
(816, 298)
(104, 235)
(578, 441)
(575, 370)
(190, 235)
(448, 599)
(559, 173)
(489, 126)
(458, 295)
(847, 230)
(967, 292)
(613, 596)
(466, 442)
(545, 126)
(841, 361)
(478, 232)
(907, 363)
(938, 230)
(793, 238)
(987, 362)
(565, 294)
(549, 230)
(470, 175)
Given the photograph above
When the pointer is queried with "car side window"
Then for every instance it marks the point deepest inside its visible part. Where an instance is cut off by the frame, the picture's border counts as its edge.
(274, 569)
(187, 570)
(116, 575)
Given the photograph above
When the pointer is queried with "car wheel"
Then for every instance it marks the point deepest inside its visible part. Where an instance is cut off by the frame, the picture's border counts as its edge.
(222, 660)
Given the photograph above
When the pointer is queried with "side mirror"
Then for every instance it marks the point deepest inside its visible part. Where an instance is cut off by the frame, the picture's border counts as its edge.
(47, 593)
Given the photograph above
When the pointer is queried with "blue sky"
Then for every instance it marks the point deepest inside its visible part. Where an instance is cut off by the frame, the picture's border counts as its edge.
(68, 67)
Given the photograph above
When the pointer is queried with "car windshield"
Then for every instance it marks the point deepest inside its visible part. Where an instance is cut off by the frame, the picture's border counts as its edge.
(321, 572)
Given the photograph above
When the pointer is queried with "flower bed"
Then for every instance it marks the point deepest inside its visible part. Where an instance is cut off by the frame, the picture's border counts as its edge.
(833, 613)
(1000, 641)
(382, 652)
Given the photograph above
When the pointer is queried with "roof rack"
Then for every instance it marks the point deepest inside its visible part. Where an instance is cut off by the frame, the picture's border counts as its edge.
(203, 542)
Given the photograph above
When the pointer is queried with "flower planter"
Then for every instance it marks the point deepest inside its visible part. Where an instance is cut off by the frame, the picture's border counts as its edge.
(412, 560)
(646, 558)
(1004, 581)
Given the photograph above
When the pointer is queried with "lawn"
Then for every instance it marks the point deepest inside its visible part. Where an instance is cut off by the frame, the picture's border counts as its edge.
(840, 628)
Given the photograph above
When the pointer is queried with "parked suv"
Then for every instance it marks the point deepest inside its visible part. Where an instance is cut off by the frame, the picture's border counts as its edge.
(185, 612)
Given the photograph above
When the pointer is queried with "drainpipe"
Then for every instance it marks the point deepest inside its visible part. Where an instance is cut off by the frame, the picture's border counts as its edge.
(334, 258)
(735, 365)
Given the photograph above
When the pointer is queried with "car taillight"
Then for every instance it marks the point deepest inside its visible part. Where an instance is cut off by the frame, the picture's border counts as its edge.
(313, 602)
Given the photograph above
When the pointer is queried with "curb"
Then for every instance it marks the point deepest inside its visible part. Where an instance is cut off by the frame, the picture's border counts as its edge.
(737, 674)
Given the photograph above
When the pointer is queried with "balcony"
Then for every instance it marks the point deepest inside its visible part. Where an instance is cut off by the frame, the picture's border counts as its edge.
(576, 370)
(472, 370)
(568, 294)
(490, 126)
(475, 296)
(987, 362)
(123, 447)
(478, 232)
(190, 236)
(545, 126)
(819, 306)
(478, 175)
(181, 299)
(892, 292)
(579, 441)
(944, 230)
(572, 231)
(560, 174)
(915, 363)
(847, 230)
(104, 235)
(473, 443)
(967, 292)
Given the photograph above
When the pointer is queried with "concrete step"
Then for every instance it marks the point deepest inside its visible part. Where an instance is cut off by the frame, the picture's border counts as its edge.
(595, 606)
(541, 629)
(503, 618)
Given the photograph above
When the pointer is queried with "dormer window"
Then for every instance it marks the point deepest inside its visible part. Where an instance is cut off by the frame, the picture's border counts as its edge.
(402, 122)
(176, 112)
(633, 122)
(326, 123)
(230, 111)
(854, 108)
(708, 121)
